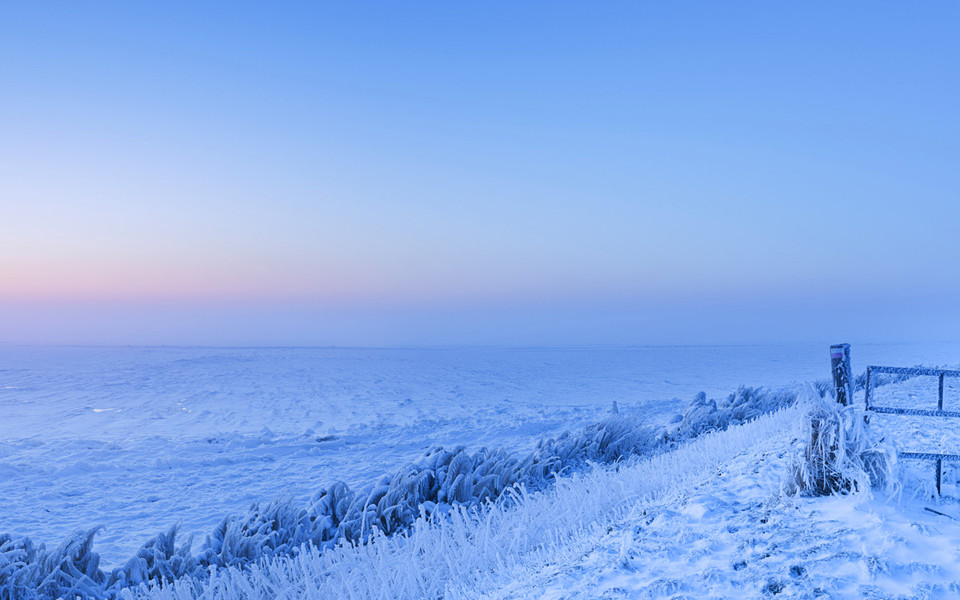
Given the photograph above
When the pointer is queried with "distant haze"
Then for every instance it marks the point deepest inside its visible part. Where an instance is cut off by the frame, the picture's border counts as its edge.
(486, 173)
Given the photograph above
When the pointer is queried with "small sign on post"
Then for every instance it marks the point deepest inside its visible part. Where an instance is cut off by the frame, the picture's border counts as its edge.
(842, 378)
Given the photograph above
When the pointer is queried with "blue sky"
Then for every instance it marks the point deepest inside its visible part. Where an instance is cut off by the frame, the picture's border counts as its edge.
(446, 173)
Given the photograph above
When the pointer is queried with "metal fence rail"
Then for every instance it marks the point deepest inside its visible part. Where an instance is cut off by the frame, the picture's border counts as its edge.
(919, 412)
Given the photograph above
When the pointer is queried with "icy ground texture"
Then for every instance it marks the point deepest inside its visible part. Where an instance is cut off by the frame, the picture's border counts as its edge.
(138, 439)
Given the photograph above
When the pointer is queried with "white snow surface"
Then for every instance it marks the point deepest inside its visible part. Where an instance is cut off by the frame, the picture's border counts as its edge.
(137, 439)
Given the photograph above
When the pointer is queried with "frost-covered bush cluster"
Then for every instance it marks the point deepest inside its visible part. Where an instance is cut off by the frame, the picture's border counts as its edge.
(444, 479)
(72, 569)
(837, 453)
(747, 403)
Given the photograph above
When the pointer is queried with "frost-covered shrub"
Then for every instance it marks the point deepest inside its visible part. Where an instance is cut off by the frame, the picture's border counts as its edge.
(458, 477)
(275, 528)
(158, 560)
(613, 439)
(29, 572)
(747, 403)
(837, 453)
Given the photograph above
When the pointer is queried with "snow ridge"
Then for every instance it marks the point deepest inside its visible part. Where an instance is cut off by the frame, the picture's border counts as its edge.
(446, 484)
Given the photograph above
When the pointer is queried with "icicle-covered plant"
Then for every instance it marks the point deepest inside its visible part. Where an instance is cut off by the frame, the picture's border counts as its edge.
(838, 454)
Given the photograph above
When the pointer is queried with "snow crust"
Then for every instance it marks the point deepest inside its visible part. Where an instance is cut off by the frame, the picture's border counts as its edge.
(500, 406)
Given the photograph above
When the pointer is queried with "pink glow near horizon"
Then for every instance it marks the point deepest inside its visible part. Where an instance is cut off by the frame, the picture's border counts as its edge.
(668, 175)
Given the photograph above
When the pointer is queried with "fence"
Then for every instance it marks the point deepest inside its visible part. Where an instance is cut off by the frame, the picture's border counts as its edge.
(919, 412)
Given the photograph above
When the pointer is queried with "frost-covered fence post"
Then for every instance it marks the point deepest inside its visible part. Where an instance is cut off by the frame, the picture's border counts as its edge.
(842, 379)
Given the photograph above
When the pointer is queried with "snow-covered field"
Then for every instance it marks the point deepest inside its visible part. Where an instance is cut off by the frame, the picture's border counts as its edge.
(137, 439)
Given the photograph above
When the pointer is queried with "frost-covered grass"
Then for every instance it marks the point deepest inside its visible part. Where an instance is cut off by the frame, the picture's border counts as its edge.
(463, 550)
(838, 453)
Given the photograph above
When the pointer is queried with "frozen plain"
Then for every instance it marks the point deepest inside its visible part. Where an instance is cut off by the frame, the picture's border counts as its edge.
(139, 438)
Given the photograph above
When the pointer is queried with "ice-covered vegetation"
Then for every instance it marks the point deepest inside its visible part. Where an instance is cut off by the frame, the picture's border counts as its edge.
(837, 453)
(446, 486)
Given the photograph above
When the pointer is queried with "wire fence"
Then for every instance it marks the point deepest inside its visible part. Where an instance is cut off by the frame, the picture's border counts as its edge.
(940, 374)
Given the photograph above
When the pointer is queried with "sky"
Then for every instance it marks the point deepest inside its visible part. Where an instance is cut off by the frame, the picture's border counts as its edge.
(532, 173)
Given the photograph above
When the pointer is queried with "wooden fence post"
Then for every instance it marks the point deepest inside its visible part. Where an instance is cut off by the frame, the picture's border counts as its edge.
(842, 379)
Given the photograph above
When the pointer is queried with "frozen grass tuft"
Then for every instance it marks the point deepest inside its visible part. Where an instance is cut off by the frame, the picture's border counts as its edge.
(838, 454)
